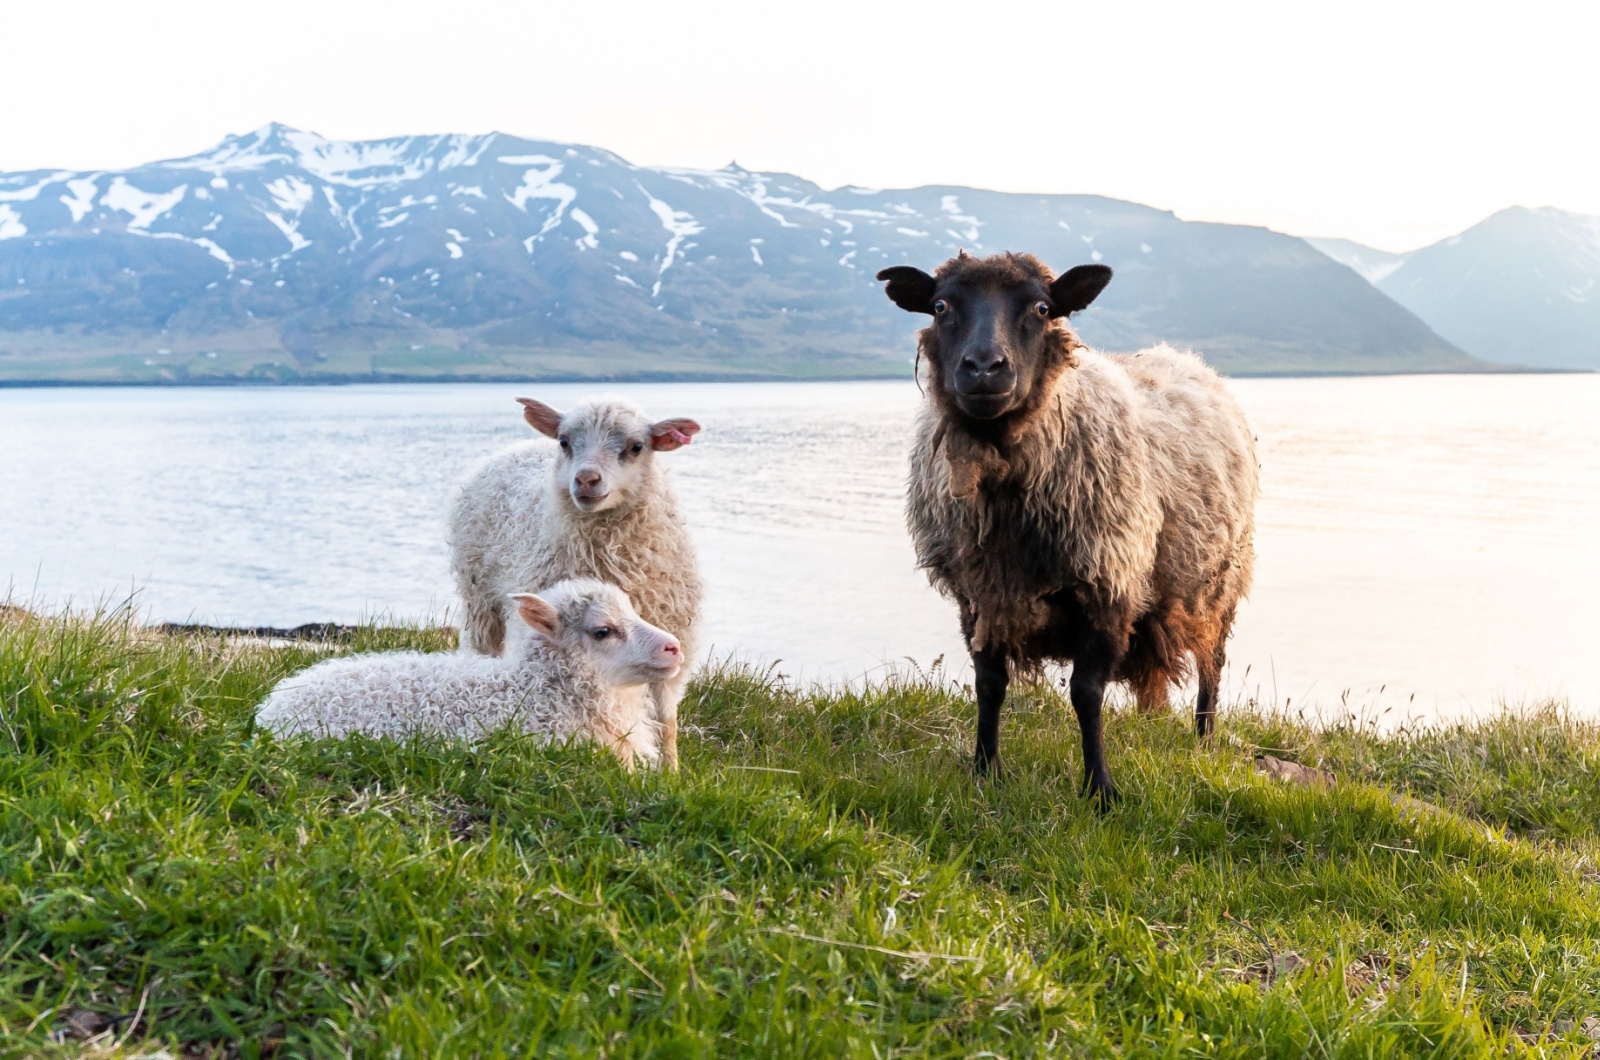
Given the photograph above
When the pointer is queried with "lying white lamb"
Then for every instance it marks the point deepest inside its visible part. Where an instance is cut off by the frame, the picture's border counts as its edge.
(589, 504)
(576, 667)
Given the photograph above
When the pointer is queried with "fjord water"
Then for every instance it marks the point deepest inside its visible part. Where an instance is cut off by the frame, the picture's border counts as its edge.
(1426, 544)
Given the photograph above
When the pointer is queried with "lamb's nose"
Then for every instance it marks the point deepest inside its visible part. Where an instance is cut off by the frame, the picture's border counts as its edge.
(671, 647)
(587, 478)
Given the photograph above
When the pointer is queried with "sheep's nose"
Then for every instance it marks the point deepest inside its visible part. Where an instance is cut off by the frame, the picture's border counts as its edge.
(587, 478)
(984, 362)
(672, 648)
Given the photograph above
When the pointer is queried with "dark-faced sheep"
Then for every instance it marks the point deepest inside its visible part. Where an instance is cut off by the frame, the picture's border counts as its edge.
(1077, 506)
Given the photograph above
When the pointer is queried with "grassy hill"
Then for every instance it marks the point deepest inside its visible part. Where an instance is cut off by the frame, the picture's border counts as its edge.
(824, 878)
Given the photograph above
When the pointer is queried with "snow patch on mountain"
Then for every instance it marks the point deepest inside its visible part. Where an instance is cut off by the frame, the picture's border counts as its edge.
(747, 185)
(539, 182)
(464, 150)
(290, 230)
(679, 225)
(360, 164)
(31, 192)
(11, 226)
(208, 245)
(143, 207)
(951, 205)
(590, 240)
(291, 194)
(81, 201)
(214, 250)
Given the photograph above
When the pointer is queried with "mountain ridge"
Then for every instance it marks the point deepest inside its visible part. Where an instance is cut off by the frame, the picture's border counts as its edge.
(280, 255)
(1520, 287)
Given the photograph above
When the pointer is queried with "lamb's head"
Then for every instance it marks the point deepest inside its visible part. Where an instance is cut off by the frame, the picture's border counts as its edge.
(999, 335)
(598, 621)
(608, 449)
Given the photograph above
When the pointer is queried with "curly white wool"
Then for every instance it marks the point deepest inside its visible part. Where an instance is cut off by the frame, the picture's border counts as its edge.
(546, 687)
(515, 524)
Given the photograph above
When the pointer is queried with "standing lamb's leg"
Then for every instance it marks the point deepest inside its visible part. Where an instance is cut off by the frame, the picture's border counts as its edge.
(665, 696)
(990, 680)
(484, 626)
(1090, 672)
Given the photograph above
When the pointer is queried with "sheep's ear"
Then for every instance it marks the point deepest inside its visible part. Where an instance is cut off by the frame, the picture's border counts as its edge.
(541, 417)
(909, 288)
(537, 612)
(1076, 288)
(672, 434)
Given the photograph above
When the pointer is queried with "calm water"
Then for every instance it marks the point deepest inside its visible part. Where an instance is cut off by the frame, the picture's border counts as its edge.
(1418, 537)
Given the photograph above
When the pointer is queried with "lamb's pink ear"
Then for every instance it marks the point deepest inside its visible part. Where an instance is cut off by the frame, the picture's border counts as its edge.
(537, 613)
(671, 434)
(541, 417)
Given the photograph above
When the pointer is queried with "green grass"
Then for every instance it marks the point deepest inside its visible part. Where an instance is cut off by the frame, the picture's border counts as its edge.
(824, 877)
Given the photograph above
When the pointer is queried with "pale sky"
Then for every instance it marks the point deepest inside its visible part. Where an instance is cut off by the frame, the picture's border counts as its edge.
(1391, 123)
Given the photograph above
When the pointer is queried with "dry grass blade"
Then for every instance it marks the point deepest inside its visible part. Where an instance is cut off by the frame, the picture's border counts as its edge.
(915, 955)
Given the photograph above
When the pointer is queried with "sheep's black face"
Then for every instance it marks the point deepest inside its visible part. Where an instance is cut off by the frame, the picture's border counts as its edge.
(992, 340)
(991, 343)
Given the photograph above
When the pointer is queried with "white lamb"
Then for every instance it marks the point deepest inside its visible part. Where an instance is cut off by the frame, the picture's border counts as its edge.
(577, 669)
(589, 504)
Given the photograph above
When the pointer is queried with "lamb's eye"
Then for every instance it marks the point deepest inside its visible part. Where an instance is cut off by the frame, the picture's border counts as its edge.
(600, 632)
(636, 448)
(1042, 308)
(940, 307)
(566, 443)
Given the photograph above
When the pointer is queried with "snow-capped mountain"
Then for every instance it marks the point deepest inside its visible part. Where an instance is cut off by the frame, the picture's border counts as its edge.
(282, 254)
(1520, 287)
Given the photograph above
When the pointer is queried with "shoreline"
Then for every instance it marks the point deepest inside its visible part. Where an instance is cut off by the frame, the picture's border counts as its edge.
(672, 377)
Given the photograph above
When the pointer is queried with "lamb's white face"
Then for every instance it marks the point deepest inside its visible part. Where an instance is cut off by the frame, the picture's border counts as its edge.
(599, 621)
(607, 450)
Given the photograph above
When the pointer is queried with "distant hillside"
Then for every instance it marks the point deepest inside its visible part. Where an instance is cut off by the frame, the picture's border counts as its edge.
(1521, 287)
(1373, 265)
(282, 255)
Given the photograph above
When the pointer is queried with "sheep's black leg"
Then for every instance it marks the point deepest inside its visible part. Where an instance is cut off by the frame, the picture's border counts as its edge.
(989, 681)
(1090, 672)
(1205, 704)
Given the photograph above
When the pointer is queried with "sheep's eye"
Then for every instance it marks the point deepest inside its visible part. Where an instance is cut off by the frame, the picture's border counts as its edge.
(566, 443)
(636, 448)
(941, 307)
(1042, 308)
(600, 632)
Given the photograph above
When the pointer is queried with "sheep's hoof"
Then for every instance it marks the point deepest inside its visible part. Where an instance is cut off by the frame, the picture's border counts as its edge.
(1100, 790)
(986, 765)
